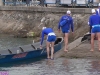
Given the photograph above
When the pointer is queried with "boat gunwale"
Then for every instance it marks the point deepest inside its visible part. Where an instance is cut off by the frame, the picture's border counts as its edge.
(31, 50)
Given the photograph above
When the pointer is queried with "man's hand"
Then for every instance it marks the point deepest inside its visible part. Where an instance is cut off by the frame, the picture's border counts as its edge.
(40, 46)
(58, 30)
(73, 33)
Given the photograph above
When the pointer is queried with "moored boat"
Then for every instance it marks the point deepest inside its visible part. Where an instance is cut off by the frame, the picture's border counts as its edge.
(28, 51)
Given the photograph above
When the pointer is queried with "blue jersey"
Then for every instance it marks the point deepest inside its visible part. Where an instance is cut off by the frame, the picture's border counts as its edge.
(45, 32)
(69, 23)
(94, 20)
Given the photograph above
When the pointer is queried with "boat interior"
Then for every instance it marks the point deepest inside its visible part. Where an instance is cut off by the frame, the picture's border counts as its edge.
(27, 48)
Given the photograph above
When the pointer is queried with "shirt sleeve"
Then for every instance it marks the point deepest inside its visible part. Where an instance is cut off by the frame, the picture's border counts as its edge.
(90, 22)
(72, 25)
(59, 22)
(42, 37)
(99, 19)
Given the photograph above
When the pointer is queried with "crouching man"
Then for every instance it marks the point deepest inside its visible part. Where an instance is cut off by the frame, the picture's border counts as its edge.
(51, 37)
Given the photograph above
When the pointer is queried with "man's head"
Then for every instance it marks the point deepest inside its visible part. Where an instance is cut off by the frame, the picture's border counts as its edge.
(68, 12)
(43, 28)
(93, 11)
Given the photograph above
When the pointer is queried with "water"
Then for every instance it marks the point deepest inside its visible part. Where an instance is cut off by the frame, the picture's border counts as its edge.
(61, 66)
(41, 66)
(7, 42)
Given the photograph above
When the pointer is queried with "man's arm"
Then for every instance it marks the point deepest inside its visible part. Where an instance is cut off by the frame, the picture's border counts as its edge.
(90, 22)
(42, 37)
(72, 25)
(97, 12)
(99, 19)
(59, 22)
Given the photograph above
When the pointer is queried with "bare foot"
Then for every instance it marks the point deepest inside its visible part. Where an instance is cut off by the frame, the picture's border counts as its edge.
(52, 58)
(66, 50)
(48, 57)
(91, 50)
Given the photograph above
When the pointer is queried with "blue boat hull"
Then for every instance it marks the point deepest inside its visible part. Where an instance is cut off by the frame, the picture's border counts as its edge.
(27, 55)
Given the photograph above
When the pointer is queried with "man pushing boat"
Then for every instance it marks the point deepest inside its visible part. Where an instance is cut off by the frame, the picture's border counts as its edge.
(51, 37)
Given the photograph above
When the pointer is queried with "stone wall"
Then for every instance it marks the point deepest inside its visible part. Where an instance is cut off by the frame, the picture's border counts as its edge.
(16, 20)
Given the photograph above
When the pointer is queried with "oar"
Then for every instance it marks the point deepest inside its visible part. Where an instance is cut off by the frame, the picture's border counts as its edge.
(43, 49)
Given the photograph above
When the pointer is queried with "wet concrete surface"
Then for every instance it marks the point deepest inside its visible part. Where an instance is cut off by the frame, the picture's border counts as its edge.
(83, 51)
(60, 66)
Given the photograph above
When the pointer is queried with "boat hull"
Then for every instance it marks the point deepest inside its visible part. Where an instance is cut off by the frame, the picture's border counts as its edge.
(28, 54)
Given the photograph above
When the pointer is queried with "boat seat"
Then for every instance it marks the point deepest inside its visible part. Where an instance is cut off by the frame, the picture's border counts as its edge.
(21, 49)
(28, 48)
(37, 45)
(14, 50)
(33, 46)
(9, 51)
(4, 52)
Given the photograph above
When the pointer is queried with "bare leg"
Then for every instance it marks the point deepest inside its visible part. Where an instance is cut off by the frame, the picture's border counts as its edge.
(92, 41)
(98, 35)
(66, 41)
(52, 50)
(48, 50)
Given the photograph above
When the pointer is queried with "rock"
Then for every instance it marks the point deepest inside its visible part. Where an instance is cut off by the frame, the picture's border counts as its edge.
(31, 34)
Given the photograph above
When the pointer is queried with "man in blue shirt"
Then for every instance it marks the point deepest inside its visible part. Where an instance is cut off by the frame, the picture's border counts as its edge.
(65, 23)
(51, 37)
(94, 22)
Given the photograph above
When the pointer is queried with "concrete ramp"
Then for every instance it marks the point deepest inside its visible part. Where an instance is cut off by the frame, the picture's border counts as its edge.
(82, 50)
(75, 43)
(78, 49)
(71, 46)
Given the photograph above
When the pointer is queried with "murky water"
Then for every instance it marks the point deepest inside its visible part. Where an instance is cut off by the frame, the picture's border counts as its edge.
(60, 66)
(6, 41)
(40, 66)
